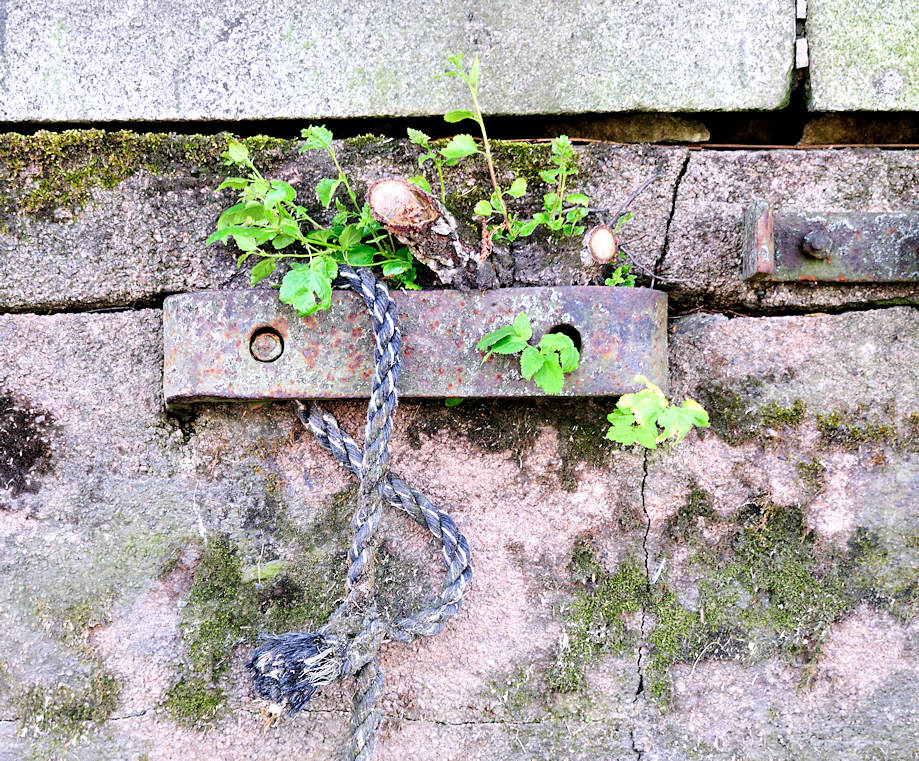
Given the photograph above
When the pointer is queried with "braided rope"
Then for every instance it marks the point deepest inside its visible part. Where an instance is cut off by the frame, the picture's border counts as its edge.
(289, 669)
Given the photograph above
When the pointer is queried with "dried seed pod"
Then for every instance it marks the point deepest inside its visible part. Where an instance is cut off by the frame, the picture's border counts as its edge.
(421, 222)
(601, 245)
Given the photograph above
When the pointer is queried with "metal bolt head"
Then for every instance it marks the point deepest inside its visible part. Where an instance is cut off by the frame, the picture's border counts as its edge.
(266, 345)
(817, 243)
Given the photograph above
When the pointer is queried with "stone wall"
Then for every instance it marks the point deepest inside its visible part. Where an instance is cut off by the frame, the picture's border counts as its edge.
(749, 594)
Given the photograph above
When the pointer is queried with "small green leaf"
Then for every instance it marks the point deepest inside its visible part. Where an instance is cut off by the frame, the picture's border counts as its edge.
(237, 152)
(459, 147)
(418, 137)
(262, 270)
(317, 139)
(622, 221)
(263, 571)
(549, 176)
(237, 183)
(350, 236)
(483, 209)
(528, 228)
(458, 116)
(360, 256)
(518, 187)
(473, 77)
(281, 241)
(420, 182)
(522, 326)
(579, 199)
(325, 189)
(308, 287)
(530, 362)
(549, 377)
(569, 356)
(453, 401)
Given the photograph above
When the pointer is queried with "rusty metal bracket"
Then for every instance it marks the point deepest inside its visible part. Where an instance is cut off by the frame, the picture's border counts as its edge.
(851, 247)
(239, 345)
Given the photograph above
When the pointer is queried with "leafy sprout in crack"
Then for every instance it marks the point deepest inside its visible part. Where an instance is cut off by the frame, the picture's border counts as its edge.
(268, 223)
(646, 417)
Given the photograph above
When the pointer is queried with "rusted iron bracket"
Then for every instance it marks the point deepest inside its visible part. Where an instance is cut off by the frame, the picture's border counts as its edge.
(239, 345)
(851, 247)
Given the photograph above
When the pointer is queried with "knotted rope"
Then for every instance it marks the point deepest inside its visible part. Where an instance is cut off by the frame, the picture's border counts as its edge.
(288, 669)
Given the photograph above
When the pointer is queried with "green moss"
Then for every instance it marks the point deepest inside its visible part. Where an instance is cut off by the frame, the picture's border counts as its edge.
(68, 711)
(848, 432)
(596, 623)
(734, 409)
(524, 159)
(767, 589)
(194, 702)
(775, 416)
(698, 504)
(229, 603)
(813, 473)
(47, 171)
(361, 141)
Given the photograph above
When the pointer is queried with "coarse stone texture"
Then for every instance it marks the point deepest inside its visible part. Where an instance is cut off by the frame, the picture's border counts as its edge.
(705, 237)
(863, 56)
(95, 219)
(809, 476)
(103, 557)
(797, 516)
(191, 60)
(140, 234)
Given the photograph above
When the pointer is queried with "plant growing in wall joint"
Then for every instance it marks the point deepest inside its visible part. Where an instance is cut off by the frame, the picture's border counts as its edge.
(646, 418)
(267, 223)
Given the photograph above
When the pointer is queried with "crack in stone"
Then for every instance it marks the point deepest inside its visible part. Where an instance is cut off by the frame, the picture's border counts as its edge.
(665, 249)
(644, 549)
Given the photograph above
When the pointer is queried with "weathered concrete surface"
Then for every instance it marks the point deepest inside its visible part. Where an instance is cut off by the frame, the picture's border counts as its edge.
(92, 219)
(706, 233)
(120, 218)
(813, 457)
(111, 559)
(100, 555)
(193, 60)
(863, 56)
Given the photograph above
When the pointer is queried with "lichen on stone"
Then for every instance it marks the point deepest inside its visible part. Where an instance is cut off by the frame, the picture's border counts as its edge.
(50, 172)
(65, 710)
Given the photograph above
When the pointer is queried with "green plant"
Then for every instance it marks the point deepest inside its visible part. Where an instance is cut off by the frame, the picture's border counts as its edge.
(559, 217)
(545, 363)
(456, 149)
(622, 275)
(511, 226)
(647, 418)
(267, 213)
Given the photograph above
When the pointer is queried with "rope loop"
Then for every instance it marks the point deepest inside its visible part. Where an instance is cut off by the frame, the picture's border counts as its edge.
(289, 669)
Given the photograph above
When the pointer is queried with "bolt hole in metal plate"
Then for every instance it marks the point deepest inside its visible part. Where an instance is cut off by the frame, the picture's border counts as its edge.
(849, 247)
(246, 345)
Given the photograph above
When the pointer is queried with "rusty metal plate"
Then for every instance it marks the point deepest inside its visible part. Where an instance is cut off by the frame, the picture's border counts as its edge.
(212, 341)
(856, 247)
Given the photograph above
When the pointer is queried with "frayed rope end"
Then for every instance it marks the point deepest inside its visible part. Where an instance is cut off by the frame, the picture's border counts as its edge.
(288, 669)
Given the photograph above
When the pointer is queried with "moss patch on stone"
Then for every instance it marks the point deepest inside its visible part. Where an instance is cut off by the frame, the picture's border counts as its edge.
(698, 504)
(768, 588)
(230, 602)
(49, 171)
(849, 431)
(66, 710)
(813, 474)
(194, 702)
(524, 159)
(776, 416)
